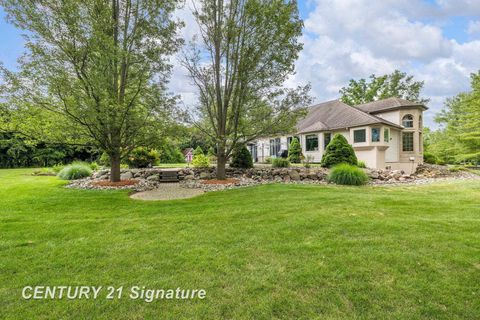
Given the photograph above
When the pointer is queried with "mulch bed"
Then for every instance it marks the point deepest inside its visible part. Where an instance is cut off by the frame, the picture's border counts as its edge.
(115, 184)
(215, 181)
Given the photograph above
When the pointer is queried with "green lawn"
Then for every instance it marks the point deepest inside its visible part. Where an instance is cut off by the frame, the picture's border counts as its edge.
(273, 251)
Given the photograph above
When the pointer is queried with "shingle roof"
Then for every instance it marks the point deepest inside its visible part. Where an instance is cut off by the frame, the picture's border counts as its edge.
(388, 104)
(332, 115)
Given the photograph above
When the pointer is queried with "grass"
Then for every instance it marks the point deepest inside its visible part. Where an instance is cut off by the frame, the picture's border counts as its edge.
(272, 251)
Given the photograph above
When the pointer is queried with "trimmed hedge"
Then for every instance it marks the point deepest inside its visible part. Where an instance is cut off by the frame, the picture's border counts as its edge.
(347, 174)
(339, 151)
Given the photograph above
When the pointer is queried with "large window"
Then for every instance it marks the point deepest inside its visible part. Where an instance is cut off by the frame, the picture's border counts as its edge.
(327, 137)
(274, 147)
(359, 135)
(407, 121)
(375, 134)
(386, 135)
(311, 142)
(407, 141)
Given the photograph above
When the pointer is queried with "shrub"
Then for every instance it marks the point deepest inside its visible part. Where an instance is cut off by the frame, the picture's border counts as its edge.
(94, 166)
(347, 174)
(57, 168)
(268, 160)
(429, 158)
(171, 154)
(76, 170)
(141, 157)
(440, 162)
(241, 158)
(294, 151)
(361, 164)
(200, 160)
(280, 163)
(307, 161)
(339, 151)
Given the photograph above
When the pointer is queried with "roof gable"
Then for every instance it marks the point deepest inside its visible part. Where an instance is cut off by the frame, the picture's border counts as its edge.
(332, 115)
(389, 104)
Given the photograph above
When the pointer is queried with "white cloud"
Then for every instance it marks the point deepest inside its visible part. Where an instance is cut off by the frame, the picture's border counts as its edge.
(473, 27)
(345, 39)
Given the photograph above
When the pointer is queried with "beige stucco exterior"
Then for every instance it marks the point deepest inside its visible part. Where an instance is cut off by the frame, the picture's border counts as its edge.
(376, 154)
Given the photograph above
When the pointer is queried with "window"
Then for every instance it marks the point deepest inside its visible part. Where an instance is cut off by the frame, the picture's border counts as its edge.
(327, 137)
(386, 135)
(407, 141)
(420, 122)
(375, 134)
(274, 147)
(311, 142)
(359, 135)
(407, 121)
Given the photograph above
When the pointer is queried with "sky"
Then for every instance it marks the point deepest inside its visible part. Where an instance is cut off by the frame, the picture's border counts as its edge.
(437, 41)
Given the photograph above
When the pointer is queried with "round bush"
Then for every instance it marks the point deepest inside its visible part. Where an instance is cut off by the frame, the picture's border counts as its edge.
(280, 163)
(142, 157)
(75, 171)
(241, 158)
(338, 151)
(361, 164)
(200, 160)
(347, 174)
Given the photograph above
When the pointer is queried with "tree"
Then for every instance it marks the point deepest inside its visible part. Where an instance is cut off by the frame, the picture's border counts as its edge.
(338, 151)
(295, 151)
(241, 158)
(99, 65)
(397, 84)
(245, 52)
(458, 139)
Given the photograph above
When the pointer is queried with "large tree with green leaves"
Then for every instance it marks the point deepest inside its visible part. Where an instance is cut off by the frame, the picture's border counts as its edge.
(397, 84)
(239, 63)
(101, 66)
(458, 140)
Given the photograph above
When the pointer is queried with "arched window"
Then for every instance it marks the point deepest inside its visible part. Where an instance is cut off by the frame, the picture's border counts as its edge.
(407, 121)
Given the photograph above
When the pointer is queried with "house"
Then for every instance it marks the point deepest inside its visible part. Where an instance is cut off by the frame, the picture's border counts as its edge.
(188, 154)
(384, 134)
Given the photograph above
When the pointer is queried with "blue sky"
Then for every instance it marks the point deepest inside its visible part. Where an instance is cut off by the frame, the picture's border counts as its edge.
(438, 41)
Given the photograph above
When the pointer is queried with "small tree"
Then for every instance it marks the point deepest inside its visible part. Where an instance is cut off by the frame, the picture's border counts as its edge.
(294, 151)
(241, 158)
(338, 151)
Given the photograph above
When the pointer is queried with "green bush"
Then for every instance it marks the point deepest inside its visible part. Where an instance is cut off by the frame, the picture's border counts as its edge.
(338, 151)
(280, 163)
(57, 168)
(347, 175)
(268, 160)
(241, 158)
(142, 157)
(440, 162)
(171, 154)
(294, 151)
(200, 160)
(76, 170)
(429, 158)
(94, 166)
(361, 164)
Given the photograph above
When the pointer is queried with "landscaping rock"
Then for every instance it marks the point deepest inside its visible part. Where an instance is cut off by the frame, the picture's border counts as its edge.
(154, 177)
(126, 176)
(204, 175)
(294, 175)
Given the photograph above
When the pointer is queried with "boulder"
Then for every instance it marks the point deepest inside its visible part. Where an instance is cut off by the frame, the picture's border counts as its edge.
(294, 175)
(154, 177)
(189, 177)
(127, 175)
(204, 175)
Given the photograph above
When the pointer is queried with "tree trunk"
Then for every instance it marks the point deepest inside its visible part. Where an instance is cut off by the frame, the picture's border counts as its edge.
(115, 168)
(221, 162)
